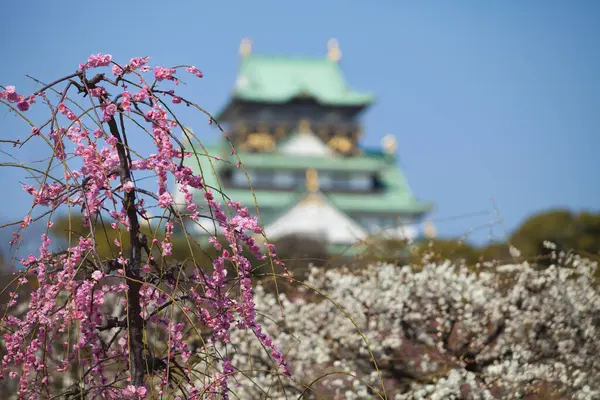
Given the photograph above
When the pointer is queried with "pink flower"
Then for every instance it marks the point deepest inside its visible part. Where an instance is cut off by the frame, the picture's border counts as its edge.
(142, 95)
(176, 100)
(26, 221)
(167, 249)
(131, 392)
(128, 187)
(162, 73)
(109, 111)
(97, 275)
(137, 62)
(10, 94)
(23, 105)
(165, 200)
(141, 392)
(96, 60)
(97, 92)
(112, 140)
(126, 102)
(193, 70)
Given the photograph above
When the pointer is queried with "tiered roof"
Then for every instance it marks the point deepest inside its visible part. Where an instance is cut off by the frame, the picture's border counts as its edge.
(282, 78)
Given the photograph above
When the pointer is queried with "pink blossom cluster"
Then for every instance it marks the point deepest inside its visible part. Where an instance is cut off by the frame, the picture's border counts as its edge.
(134, 64)
(64, 110)
(96, 60)
(132, 392)
(193, 70)
(10, 94)
(219, 383)
(162, 73)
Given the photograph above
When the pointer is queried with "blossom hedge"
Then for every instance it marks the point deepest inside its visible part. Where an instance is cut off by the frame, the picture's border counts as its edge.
(441, 331)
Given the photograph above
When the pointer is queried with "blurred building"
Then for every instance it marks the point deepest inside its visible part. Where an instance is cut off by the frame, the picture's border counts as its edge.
(294, 122)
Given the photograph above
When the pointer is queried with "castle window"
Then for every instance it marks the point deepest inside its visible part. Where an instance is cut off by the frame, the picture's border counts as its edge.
(339, 181)
(239, 178)
(360, 182)
(284, 179)
(325, 180)
(262, 178)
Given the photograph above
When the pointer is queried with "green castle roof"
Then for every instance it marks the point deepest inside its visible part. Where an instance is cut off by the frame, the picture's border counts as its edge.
(397, 197)
(279, 161)
(279, 79)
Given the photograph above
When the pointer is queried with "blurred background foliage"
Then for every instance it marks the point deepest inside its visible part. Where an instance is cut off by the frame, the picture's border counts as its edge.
(570, 232)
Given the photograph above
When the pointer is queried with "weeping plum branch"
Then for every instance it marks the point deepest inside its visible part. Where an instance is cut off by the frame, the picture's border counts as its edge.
(103, 320)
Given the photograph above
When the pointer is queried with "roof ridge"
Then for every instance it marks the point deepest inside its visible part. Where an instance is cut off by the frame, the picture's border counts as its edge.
(289, 57)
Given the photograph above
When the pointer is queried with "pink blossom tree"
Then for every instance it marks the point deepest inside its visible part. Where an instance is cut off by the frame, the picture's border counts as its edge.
(122, 327)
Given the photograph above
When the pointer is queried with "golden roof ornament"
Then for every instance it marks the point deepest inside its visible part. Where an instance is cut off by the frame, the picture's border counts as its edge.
(312, 180)
(389, 144)
(303, 126)
(245, 47)
(260, 141)
(341, 143)
(333, 50)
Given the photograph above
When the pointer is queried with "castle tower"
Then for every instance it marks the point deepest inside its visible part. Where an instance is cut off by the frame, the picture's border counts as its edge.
(295, 125)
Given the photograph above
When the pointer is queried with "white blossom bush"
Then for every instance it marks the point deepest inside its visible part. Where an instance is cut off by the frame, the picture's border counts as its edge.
(440, 332)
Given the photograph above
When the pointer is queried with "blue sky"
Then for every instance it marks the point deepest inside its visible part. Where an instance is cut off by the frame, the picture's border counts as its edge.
(487, 99)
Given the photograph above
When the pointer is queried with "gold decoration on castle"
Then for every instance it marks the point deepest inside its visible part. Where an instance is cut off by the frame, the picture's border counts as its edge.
(304, 126)
(280, 132)
(245, 47)
(333, 50)
(312, 198)
(341, 144)
(260, 141)
(312, 180)
(389, 144)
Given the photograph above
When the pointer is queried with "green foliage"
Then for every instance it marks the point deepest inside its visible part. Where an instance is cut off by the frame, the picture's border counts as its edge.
(578, 232)
(67, 229)
(190, 250)
(445, 249)
(298, 252)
